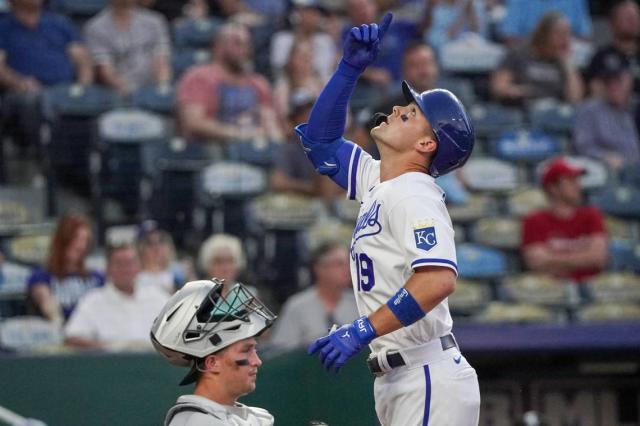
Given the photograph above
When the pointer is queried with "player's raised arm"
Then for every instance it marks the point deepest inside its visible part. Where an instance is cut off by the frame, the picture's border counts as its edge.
(321, 137)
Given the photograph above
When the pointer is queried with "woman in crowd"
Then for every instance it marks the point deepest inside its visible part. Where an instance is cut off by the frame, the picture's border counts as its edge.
(55, 289)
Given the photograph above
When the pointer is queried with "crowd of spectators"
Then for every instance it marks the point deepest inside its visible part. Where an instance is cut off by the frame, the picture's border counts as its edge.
(237, 98)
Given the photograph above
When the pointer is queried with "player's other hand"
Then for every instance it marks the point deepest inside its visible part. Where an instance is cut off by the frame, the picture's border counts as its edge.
(340, 345)
(362, 44)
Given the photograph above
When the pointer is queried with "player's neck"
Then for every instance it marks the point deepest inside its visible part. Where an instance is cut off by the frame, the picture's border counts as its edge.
(393, 166)
(207, 389)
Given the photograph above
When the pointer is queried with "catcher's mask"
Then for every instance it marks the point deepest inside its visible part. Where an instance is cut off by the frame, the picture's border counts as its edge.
(198, 321)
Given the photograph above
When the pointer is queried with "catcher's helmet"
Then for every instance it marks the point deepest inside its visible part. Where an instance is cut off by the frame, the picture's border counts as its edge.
(450, 123)
(198, 321)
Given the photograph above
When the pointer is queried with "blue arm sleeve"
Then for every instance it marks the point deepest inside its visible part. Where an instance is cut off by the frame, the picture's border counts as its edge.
(321, 138)
(329, 114)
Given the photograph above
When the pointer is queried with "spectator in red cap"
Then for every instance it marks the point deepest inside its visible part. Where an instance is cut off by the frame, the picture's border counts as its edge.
(567, 239)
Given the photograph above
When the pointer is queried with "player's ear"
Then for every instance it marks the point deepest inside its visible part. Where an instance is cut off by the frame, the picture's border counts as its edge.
(426, 144)
(213, 363)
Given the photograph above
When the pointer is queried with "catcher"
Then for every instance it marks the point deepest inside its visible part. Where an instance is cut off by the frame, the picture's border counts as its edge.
(215, 336)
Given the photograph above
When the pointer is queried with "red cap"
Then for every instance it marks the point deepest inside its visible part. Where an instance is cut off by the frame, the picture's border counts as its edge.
(558, 168)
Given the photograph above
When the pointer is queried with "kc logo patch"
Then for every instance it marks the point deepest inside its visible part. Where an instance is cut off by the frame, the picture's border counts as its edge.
(425, 235)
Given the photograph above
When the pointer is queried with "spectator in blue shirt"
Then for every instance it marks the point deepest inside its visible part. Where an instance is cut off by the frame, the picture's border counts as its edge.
(55, 290)
(523, 16)
(37, 49)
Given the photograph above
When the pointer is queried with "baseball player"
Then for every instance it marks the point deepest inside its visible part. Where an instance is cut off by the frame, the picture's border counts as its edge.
(215, 336)
(403, 258)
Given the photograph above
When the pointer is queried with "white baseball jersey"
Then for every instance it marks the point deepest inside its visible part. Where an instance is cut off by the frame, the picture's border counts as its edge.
(403, 224)
(194, 410)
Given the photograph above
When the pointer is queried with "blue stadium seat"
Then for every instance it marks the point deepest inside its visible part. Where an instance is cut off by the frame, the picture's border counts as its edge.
(490, 120)
(619, 200)
(195, 34)
(631, 175)
(525, 146)
(175, 170)
(552, 116)
(624, 255)
(158, 99)
(183, 59)
(70, 111)
(78, 8)
(258, 153)
(480, 262)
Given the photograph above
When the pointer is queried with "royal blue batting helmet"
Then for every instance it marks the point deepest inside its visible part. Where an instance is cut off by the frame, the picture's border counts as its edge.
(450, 123)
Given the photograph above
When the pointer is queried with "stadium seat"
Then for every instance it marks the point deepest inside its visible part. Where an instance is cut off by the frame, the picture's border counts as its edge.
(285, 211)
(460, 234)
(619, 200)
(175, 171)
(612, 287)
(492, 175)
(538, 289)
(346, 210)
(78, 8)
(470, 53)
(183, 59)
(525, 146)
(461, 87)
(20, 206)
(624, 255)
(126, 138)
(70, 111)
(631, 175)
(596, 173)
(158, 99)
(13, 288)
(606, 312)
(480, 262)
(622, 230)
(551, 116)
(258, 152)
(503, 313)
(22, 334)
(31, 248)
(224, 192)
(195, 34)
(328, 230)
(234, 180)
(469, 297)
(476, 207)
(490, 120)
(498, 232)
(524, 201)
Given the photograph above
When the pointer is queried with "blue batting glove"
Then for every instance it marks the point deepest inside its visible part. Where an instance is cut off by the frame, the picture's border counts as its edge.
(362, 44)
(340, 345)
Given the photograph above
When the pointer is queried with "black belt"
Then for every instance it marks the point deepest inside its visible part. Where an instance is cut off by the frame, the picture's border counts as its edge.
(394, 359)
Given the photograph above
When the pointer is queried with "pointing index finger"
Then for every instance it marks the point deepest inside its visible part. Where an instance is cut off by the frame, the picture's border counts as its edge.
(386, 21)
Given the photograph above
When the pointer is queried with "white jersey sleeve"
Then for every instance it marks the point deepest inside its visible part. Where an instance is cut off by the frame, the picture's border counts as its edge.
(364, 173)
(422, 226)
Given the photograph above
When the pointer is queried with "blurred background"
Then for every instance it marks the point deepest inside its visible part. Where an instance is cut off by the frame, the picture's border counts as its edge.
(149, 143)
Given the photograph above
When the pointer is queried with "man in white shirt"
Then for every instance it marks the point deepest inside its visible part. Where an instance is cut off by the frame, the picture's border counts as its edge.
(119, 314)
